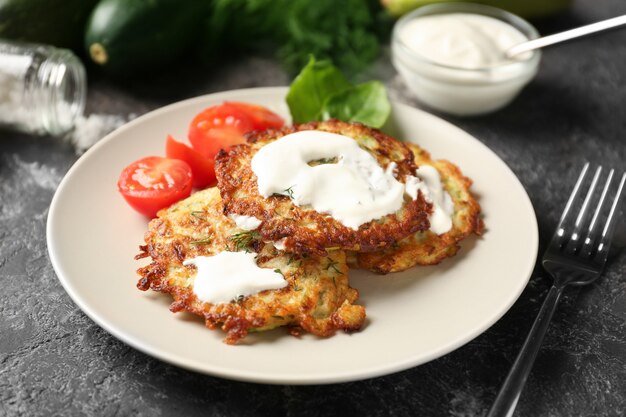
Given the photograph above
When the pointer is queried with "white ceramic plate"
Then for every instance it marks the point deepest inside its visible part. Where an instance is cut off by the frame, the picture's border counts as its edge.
(413, 317)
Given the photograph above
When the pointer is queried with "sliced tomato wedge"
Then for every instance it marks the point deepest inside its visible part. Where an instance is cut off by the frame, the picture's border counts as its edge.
(153, 183)
(262, 117)
(223, 126)
(202, 168)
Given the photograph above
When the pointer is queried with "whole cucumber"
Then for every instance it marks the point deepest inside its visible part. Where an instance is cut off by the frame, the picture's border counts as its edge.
(124, 37)
(54, 22)
(525, 8)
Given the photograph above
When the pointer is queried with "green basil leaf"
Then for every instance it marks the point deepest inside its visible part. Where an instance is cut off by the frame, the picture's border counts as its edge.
(317, 81)
(366, 103)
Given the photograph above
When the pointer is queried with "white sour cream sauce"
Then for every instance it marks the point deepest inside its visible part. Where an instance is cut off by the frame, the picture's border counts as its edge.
(428, 182)
(461, 40)
(354, 191)
(456, 63)
(245, 222)
(227, 275)
(280, 244)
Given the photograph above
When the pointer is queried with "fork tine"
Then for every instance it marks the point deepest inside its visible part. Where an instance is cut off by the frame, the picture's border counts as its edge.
(583, 210)
(609, 227)
(571, 199)
(588, 244)
(605, 190)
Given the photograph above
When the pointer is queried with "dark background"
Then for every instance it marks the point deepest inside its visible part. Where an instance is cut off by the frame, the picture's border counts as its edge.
(56, 361)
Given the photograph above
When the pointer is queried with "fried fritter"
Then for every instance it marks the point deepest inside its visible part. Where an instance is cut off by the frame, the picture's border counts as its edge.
(317, 299)
(428, 248)
(302, 229)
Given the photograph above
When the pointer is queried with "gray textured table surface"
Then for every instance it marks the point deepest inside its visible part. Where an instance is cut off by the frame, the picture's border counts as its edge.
(56, 361)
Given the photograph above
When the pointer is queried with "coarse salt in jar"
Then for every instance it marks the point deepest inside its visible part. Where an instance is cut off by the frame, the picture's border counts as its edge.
(42, 88)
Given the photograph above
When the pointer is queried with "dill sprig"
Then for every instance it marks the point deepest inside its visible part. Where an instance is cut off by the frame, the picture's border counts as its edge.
(203, 241)
(198, 214)
(242, 240)
(332, 264)
(238, 299)
(289, 192)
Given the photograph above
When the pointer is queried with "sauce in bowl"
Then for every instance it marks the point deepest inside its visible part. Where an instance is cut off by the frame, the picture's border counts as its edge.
(452, 57)
(462, 40)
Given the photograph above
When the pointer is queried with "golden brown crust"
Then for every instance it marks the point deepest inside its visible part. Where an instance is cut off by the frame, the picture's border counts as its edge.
(317, 299)
(303, 229)
(427, 248)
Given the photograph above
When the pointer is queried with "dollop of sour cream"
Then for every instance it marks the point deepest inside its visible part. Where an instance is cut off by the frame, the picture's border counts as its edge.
(461, 40)
(428, 182)
(227, 275)
(354, 190)
(280, 244)
(245, 222)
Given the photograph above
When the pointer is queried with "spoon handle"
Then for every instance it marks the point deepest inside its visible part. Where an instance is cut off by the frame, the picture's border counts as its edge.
(567, 35)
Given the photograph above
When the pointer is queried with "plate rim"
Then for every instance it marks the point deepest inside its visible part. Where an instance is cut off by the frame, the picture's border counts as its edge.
(256, 376)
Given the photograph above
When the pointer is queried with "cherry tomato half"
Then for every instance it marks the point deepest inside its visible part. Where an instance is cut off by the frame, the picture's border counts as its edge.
(222, 126)
(153, 183)
(218, 127)
(202, 168)
(262, 118)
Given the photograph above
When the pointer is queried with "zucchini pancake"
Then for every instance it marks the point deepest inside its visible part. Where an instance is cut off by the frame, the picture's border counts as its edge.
(298, 254)
(427, 247)
(316, 297)
(301, 228)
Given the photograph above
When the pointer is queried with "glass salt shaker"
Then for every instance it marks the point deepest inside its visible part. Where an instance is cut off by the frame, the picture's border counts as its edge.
(42, 88)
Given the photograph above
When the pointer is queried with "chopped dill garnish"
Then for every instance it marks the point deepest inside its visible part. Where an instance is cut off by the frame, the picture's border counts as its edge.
(278, 271)
(289, 192)
(332, 264)
(198, 214)
(238, 299)
(323, 161)
(201, 241)
(243, 240)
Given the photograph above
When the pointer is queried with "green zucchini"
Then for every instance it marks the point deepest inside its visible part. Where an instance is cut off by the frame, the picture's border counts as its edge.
(124, 37)
(529, 9)
(54, 22)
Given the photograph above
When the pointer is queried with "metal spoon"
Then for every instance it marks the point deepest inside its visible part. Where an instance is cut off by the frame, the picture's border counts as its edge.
(565, 36)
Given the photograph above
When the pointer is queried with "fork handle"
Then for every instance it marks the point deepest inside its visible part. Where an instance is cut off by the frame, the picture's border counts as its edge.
(505, 402)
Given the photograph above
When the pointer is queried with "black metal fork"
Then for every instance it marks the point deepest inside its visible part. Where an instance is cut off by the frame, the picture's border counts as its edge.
(576, 255)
